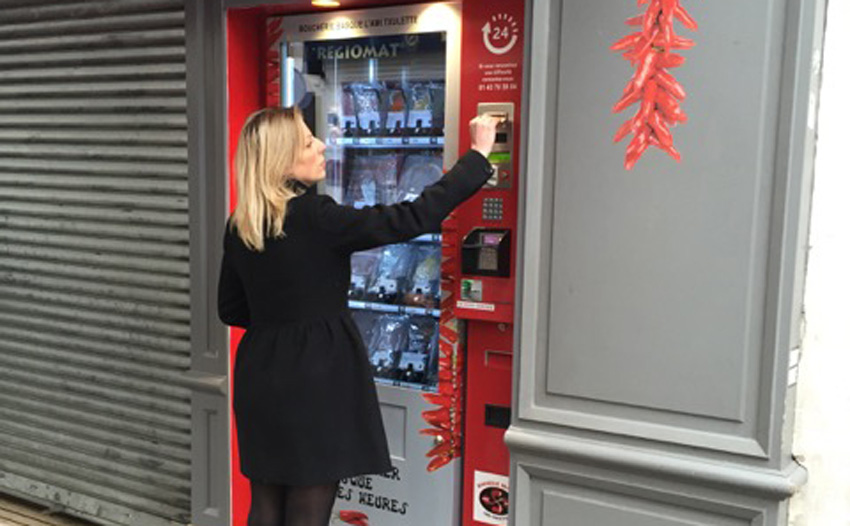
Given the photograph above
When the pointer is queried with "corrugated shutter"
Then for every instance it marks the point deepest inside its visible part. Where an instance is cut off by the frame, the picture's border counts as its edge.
(94, 258)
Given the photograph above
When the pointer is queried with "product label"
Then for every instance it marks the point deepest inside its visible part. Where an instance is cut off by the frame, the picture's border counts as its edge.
(491, 498)
(489, 307)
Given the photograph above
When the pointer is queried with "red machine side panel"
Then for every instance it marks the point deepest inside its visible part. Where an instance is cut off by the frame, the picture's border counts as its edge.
(244, 88)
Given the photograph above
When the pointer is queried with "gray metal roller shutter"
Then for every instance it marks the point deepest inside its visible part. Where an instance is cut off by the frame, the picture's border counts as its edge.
(94, 258)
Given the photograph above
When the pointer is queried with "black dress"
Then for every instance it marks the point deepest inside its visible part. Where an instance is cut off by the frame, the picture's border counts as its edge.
(304, 400)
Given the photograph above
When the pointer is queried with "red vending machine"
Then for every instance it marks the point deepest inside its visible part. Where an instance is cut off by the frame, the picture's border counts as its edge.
(390, 90)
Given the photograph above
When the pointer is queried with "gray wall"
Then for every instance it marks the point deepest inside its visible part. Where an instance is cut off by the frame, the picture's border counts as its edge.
(206, 115)
(659, 305)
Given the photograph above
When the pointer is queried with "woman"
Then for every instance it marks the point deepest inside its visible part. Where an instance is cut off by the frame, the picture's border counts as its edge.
(304, 400)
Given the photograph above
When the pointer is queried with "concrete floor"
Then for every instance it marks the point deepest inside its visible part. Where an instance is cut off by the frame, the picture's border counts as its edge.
(17, 512)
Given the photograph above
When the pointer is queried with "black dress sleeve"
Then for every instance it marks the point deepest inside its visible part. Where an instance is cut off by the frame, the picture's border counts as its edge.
(352, 229)
(232, 302)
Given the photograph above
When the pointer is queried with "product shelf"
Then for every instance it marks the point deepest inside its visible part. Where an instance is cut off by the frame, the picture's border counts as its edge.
(424, 141)
(406, 385)
(393, 309)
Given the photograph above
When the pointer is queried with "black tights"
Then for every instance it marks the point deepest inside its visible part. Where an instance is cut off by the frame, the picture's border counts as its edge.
(278, 505)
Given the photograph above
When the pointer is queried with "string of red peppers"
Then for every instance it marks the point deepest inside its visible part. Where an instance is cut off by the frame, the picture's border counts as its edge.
(445, 419)
(650, 50)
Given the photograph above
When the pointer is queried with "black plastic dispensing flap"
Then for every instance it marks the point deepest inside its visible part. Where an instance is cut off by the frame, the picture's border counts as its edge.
(497, 416)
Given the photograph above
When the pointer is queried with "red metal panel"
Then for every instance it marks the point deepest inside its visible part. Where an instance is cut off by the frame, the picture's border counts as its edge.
(492, 51)
(244, 96)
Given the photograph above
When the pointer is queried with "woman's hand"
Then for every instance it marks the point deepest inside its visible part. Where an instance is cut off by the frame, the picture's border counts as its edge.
(482, 133)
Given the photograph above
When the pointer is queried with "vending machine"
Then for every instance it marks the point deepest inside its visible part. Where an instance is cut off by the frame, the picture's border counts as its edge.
(390, 90)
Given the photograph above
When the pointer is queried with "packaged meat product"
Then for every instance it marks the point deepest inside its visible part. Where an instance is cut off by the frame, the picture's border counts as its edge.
(396, 110)
(385, 168)
(365, 322)
(432, 375)
(363, 265)
(424, 288)
(361, 189)
(391, 275)
(417, 172)
(367, 100)
(349, 113)
(373, 180)
(389, 337)
(420, 115)
(414, 361)
(438, 100)
(334, 179)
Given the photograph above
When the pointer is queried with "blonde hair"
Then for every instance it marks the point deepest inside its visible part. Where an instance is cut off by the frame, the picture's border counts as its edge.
(269, 145)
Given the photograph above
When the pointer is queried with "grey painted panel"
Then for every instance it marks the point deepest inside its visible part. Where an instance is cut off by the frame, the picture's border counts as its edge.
(395, 419)
(582, 506)
(657, 304)
(550, 492)
(729, 477)
(426, 497)
(676, 255)
(210, 360)
(210, 474)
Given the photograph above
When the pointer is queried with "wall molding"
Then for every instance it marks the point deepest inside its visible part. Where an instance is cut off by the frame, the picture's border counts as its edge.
(759, 482)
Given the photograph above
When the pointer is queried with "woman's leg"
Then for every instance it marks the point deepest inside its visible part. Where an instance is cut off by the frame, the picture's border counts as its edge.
(310, 505)
(268, 502)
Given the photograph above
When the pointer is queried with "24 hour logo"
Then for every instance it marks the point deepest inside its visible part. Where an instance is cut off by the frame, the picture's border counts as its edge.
(501, 33)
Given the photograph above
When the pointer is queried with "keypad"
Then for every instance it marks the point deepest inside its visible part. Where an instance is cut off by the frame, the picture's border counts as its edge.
(492, 209)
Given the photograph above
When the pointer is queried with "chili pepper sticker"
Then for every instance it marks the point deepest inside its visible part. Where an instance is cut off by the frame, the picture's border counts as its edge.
(355, 518)
(650, 52)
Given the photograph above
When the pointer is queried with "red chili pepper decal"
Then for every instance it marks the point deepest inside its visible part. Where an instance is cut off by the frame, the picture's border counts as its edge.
(355, 518)
(650, 51)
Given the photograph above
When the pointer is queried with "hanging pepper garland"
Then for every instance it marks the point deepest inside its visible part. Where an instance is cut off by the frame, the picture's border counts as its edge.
(650, 50)
(445, 420)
